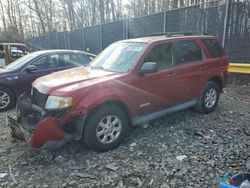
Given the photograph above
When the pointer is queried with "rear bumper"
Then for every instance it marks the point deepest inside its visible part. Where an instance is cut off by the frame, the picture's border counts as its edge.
(40, 129)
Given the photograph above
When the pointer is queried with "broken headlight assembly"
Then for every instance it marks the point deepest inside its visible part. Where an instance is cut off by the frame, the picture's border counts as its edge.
(58, 102)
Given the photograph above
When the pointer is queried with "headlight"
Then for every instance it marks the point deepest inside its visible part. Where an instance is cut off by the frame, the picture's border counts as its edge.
(57, 102)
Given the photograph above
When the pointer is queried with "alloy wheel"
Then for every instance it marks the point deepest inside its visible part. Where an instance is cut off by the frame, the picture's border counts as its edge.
(4, 99)
(211, 97)
(108, 129)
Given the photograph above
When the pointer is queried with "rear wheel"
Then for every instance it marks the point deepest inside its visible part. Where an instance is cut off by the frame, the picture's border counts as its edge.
(209, 98)
(105, 128)
(7, 99)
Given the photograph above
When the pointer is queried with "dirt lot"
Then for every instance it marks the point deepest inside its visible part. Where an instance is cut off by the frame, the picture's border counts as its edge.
(213, 145)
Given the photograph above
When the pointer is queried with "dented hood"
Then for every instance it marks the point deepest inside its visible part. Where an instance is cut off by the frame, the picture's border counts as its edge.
(71, 79)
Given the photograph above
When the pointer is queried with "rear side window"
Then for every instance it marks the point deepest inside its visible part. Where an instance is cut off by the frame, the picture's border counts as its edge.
(79, 59)
(186, 51)
(73, 59)
(213, 48)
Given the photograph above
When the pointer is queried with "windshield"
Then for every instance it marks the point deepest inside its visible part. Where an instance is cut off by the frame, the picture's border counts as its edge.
(19, 62)
(118, 57)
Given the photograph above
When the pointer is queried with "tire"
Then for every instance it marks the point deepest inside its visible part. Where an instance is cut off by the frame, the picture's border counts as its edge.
(7, 99)
(209, 98)
(98, 130)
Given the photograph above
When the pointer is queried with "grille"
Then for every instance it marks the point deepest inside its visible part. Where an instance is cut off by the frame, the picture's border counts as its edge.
(39, 98)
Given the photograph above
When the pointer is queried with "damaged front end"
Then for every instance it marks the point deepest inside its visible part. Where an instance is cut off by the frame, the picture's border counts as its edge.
(43, 129)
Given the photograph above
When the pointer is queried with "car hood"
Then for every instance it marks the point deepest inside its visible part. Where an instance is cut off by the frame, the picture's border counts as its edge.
(66, 81)
(5, 73)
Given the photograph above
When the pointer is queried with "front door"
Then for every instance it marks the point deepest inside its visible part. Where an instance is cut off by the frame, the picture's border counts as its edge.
(154, 91)
(45, 65)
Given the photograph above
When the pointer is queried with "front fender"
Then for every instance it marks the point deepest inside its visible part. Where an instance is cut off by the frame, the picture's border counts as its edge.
(94, 99)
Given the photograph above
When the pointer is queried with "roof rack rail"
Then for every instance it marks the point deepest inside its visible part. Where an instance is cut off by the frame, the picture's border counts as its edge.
(173, 34)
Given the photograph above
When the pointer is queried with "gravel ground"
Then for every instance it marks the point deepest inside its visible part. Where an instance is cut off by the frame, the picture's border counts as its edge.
(151, 155)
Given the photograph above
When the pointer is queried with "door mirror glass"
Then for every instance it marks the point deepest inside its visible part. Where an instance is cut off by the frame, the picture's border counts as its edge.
(148, 67)
(31, 68)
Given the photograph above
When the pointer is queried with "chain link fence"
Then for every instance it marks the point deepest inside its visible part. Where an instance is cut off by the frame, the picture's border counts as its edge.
(227, 19)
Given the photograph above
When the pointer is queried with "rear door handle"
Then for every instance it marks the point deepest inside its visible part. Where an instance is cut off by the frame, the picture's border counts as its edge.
(171, 75)
(203, 67)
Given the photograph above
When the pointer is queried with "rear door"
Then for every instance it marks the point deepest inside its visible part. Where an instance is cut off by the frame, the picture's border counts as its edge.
(188, 71)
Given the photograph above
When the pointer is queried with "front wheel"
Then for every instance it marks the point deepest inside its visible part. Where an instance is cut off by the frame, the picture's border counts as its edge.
(105, 128)
(7, 99)
(209, 98)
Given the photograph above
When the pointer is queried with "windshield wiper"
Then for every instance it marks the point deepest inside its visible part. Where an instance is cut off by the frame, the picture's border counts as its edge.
(97, 67)
(101, 68)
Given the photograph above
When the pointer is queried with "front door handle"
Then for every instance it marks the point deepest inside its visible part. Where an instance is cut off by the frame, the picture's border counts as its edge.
(171, 75)
(203, 67)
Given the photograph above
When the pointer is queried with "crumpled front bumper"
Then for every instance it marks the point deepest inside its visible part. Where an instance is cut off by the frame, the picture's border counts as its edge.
(38, 128)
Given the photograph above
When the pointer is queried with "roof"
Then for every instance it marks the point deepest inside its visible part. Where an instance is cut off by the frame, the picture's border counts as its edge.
(150, 39)
(60, 51)
(12, 43)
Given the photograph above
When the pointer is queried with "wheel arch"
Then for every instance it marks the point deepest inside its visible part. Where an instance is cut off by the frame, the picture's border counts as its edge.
(118, 103)
(9, 88)
(218, 81)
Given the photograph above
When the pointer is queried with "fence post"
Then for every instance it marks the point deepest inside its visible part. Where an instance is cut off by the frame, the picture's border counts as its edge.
(40, 43)
(164, 22)
(65, 42)
(69, 39)
(83, 40)
(125, 27)
(100, 33)
(225, 24)
(49, 41)
(57, 36)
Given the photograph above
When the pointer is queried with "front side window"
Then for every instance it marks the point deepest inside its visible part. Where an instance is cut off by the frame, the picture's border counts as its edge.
(186, 52)
(20, 62)
(161, 54)
(118, 57)
(47, 62)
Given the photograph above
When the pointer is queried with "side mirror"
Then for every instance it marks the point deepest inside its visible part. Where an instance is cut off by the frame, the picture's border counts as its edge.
(31, 68)
(148, 67)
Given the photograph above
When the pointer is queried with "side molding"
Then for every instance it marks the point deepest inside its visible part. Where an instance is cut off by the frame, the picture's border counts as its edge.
(155, 115)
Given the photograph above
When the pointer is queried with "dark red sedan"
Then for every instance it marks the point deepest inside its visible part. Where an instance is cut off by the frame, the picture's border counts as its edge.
(18, 76)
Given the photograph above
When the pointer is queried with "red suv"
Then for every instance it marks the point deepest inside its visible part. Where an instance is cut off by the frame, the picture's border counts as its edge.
(129, 83)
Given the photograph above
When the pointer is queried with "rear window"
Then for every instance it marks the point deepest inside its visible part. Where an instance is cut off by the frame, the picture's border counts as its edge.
(186, 51)
(213, 48)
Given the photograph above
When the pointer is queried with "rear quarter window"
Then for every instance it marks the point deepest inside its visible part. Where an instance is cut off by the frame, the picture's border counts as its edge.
(213, 47)
(186, 52)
